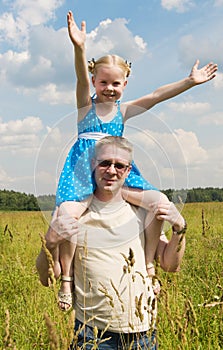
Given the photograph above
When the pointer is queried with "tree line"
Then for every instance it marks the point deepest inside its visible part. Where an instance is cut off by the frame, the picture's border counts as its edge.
(12, 200)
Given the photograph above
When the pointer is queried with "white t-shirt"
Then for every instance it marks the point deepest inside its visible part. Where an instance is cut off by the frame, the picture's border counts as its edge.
(111, 284)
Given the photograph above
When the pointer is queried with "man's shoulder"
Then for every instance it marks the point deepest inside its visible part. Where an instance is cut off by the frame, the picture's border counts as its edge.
(139, 211)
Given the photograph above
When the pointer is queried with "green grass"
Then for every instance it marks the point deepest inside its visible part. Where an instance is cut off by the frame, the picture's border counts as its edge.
(190, 313)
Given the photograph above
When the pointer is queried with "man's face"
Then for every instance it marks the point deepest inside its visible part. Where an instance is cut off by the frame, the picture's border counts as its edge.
(112, 166)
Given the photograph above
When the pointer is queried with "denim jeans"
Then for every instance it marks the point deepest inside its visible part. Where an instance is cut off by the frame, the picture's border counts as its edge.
(112, 341)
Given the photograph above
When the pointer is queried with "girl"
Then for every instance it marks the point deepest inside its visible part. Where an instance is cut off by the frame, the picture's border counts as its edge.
(103, 115)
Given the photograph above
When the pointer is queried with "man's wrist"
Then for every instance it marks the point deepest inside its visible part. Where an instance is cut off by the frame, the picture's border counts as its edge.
(181, 231)
(51, 244)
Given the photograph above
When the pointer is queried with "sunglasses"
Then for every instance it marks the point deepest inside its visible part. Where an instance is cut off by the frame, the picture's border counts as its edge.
(119, 167)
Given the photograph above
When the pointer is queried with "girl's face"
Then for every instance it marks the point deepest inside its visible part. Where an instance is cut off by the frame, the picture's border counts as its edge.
(109, 83)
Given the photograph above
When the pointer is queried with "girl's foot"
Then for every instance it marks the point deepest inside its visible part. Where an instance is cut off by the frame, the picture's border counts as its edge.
(65, 294)
(150, 269)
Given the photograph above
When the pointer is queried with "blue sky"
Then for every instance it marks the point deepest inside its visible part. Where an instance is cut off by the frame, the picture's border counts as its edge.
(178, 143)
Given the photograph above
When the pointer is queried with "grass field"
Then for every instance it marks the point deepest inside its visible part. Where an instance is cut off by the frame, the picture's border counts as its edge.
(190, 306)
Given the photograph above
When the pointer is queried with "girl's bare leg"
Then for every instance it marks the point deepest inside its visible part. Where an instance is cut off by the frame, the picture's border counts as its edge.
(153, 226)
(67, 249)
(153, 229)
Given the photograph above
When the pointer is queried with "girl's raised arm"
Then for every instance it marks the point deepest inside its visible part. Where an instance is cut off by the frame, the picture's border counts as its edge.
(78, 38)
(165, 92)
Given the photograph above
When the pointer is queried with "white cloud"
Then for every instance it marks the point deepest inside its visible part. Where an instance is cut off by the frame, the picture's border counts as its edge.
(177, 149)
(218, 80)
(212, 170)
(189, 107)
(212, 119)
(105, 39)
(51, 94)
(16, 182)
(204, 47)
(141, 43)
(35, 12)
(25, 126)
(15, 25)
(178, 5)
(5, 178)
(21, 136)
(193, 152)
(167, 159)
(14, 31)
(218, 3)
(44, 62)
(45, 68)
(20, 183)
(44, 182)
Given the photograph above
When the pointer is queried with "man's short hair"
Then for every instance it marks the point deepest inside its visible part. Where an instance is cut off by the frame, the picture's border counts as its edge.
(118, 141)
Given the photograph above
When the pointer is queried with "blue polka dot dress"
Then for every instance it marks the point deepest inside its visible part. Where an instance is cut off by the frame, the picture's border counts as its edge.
(76, 182)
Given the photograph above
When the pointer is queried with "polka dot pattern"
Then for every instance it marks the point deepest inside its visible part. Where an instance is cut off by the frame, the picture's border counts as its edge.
(76, 181)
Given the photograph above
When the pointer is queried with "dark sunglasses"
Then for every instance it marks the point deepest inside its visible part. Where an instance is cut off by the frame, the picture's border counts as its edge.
(119, 167)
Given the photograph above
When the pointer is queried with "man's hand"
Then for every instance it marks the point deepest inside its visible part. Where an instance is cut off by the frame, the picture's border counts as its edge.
(169, 213)
(63, 227)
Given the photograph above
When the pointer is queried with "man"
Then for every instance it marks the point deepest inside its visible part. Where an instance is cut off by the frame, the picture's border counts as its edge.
(115, 305)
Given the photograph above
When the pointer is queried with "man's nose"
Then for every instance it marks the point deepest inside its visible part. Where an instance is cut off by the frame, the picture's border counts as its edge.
(111, 169)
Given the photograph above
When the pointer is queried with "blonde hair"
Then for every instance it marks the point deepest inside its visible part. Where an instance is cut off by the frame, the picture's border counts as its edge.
(109, 60)
(117, 141)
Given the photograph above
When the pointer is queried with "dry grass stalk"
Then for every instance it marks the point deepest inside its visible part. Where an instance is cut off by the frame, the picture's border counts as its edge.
(138, 306)
(7, 230)
(153, 313)
(118, 295)
(142, 276)
(97, 341)
(180, 243)
(214, 303)
(8, 342)
(187, 323)
(130, 261)
(205, 225)
(168, 309)
(104, 290)
(52, 333)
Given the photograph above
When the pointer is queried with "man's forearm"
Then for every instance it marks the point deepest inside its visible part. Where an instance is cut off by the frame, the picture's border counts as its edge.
(174, 252)
(49, 251)
(61, 229)
(170, 253)
(42, 266)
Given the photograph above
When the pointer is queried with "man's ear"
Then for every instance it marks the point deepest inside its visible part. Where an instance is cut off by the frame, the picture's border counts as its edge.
(128, 171)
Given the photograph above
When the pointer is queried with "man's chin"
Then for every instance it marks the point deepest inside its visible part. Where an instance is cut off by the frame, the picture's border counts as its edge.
(109, 188)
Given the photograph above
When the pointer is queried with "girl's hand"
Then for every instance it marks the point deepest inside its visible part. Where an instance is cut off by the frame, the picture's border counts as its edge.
(206, 73)
(77, 36)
